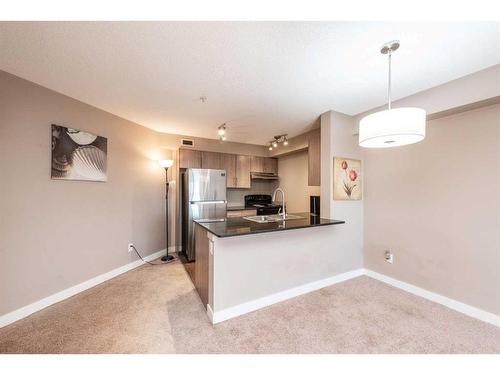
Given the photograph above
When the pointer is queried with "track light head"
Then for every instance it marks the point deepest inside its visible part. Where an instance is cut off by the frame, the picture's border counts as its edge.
(221, 130)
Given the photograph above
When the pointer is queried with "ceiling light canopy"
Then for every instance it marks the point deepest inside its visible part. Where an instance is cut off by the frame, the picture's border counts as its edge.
(392, 127)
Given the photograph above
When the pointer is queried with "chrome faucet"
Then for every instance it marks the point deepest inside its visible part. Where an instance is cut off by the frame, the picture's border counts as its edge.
(283, 213)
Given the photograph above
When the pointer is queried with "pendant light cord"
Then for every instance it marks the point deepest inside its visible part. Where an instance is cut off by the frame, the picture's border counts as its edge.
(389, 89)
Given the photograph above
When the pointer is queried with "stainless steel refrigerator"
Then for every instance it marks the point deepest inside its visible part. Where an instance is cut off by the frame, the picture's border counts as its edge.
(204, 199)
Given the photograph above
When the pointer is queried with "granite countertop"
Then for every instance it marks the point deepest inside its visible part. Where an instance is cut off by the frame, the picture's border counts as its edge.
(237, 226)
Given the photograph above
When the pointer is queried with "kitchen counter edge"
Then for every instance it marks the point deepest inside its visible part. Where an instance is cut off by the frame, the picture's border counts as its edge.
(238, 226)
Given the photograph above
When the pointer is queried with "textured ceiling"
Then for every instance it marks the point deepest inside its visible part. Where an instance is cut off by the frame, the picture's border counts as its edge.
(262, 78)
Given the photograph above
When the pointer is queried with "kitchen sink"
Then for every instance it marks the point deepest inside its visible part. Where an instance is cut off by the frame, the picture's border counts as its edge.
(290, 217)
(271, 218)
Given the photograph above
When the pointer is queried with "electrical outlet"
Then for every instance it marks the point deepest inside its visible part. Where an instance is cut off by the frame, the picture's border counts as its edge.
(389, 257)
(130, 247)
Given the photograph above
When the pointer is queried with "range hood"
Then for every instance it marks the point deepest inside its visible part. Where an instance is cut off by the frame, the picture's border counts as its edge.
(263, 176)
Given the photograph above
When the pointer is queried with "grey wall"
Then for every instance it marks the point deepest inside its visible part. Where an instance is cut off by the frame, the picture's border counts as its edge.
(436, 206)
(56, 234)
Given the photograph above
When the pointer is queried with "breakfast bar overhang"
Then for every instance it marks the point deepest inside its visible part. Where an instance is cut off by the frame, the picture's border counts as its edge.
(243, 266)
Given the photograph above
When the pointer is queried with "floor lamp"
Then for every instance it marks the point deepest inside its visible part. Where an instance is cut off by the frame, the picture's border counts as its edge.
(166, 163)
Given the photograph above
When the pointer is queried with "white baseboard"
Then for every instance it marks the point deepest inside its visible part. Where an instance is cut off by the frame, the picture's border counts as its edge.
(434, 297)
(173, 249)
(232, 312)
(244, 308)
(66, 293)
(210, 313)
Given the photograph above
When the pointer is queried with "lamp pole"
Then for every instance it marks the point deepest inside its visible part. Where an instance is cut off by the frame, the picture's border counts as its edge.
(166, 258)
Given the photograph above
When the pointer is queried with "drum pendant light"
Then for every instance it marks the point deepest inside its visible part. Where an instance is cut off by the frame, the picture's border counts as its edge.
(392, 127)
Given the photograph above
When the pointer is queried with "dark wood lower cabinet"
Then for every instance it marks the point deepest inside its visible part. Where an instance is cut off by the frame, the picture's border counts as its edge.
(201, 278)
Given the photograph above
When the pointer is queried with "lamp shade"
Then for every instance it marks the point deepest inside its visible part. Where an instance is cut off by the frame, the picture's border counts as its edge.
(392, 127)
(166, 163)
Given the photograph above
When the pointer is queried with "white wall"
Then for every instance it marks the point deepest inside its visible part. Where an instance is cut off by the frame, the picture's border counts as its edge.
(326, 188)
(293, 172)
(337, 140)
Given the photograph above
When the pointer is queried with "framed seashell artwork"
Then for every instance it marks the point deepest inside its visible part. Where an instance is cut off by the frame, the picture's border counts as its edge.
(78, 155)
(347, 179)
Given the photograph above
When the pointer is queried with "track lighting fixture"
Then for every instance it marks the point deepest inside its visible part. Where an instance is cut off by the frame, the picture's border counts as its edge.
(221, 130)
(283, 138)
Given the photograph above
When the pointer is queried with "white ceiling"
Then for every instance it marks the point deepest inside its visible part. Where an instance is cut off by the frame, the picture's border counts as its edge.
(262, 78)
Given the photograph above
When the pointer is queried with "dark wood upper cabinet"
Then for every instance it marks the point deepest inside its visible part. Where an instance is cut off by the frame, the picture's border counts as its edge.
(256, 164)
(237, 167)
(228, 162)
(189, 158)
(210, 160)
(314, 158)
(243, 163)
(271, 165)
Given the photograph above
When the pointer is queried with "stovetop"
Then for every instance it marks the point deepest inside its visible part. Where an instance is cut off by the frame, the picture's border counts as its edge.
(259, 201)
(258, 205)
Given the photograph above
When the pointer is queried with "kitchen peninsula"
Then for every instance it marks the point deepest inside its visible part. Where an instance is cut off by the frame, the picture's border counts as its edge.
(242, 265)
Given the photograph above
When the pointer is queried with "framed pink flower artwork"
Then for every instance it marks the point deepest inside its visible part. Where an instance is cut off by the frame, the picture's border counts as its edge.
(347, 179)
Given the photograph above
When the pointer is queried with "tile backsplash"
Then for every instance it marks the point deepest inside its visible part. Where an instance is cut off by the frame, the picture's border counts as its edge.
(236, 197)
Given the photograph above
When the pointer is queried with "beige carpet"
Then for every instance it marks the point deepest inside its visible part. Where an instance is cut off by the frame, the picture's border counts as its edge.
(156, 310)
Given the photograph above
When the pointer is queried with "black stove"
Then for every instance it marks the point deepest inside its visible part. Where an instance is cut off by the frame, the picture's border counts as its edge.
(263, 203)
